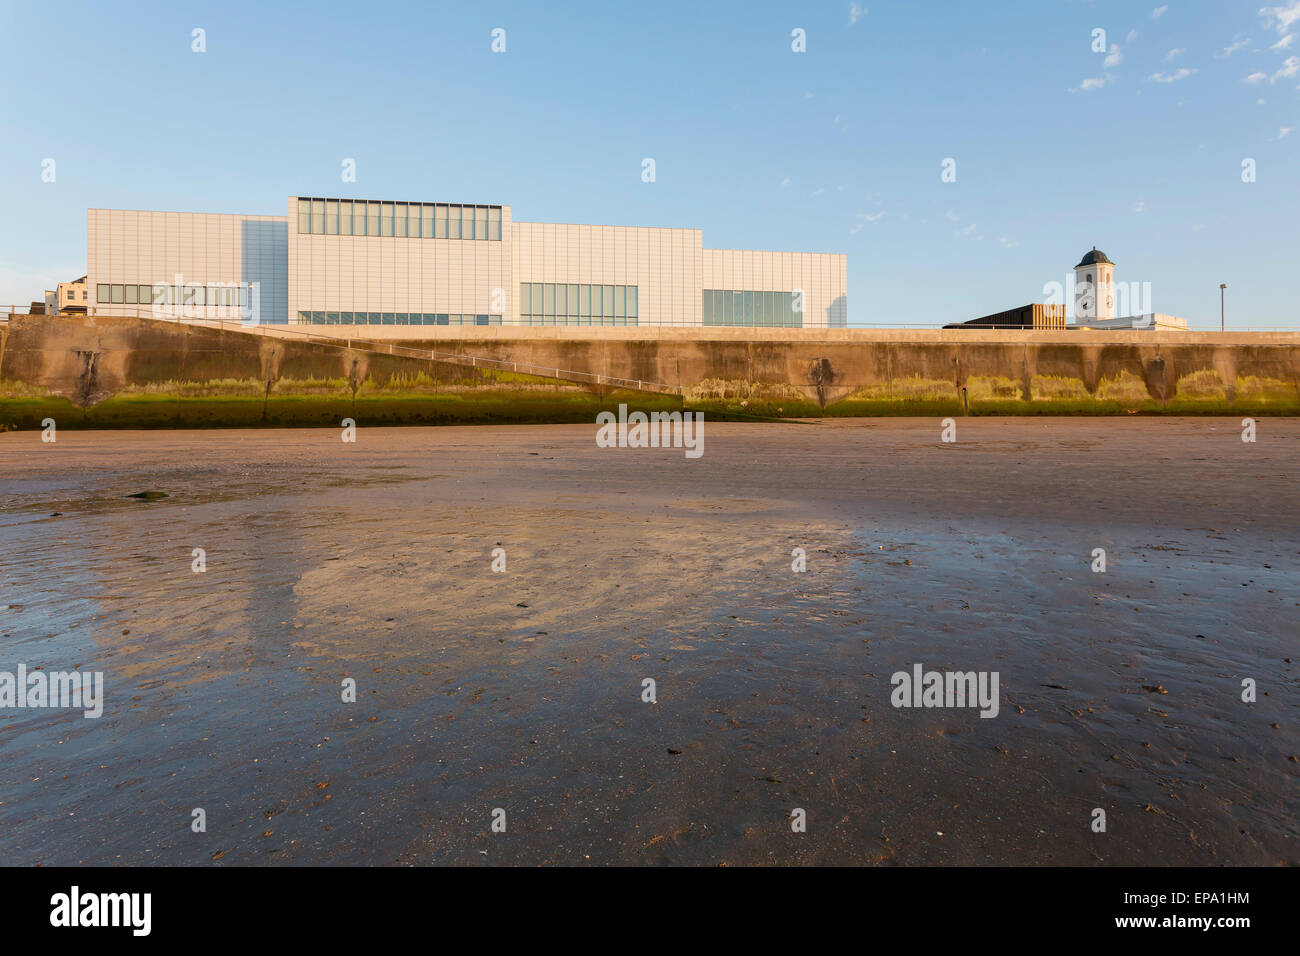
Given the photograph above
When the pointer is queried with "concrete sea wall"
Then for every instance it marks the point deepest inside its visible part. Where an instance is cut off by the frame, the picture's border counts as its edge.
(137, 372)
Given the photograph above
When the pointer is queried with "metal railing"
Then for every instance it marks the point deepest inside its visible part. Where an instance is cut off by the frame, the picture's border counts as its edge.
(7, 310)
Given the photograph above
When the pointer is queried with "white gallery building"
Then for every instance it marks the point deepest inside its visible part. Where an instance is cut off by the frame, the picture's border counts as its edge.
(386, 264)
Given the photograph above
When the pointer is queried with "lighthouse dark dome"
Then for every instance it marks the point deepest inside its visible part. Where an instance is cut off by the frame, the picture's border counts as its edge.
(1093, 257)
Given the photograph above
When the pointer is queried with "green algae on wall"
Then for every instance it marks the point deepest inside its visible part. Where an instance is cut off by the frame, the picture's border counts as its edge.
(912, 395)
(245, 404)
(740, 398)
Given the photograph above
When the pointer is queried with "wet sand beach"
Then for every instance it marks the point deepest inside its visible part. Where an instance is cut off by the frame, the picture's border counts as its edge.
(522, 690)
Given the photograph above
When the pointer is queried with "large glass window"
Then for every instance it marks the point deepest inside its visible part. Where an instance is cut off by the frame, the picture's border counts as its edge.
(345, 217)
(494, 222)
(331, 217)
(453, 222)
(318, 216)
(549, 303)
(747, 308)
(399, 221)
(372, 219)
(480, 222)
(304, 215)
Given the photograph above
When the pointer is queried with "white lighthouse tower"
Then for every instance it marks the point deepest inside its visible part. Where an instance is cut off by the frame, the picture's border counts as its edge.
(1094, 288)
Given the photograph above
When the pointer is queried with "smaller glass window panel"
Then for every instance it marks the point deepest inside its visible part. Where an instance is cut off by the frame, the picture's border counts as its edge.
(372, 219)
(318, 216)
(399, 220)
(332, 217)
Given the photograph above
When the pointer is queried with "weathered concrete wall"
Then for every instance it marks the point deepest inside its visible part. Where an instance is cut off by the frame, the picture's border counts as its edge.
(843, 371)
(90, 362)
(132, 372)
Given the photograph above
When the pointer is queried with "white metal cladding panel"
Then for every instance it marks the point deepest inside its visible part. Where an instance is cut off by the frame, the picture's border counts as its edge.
(661, 263)
(822, 277)
(396, 273)
(132, 246)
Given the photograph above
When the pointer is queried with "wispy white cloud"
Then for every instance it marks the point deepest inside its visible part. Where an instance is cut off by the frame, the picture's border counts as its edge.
(786, 181)
(1282, 17)
(1174, 54)
(1239, 44)
(871, 216)
(1114, 57)
(1159, 12)
(1289, 68)
(1007, 242)
(1140, 205)
(1285, 131)
(1132, 35)
(1181, 73)
(1091, 83)
(856, 12)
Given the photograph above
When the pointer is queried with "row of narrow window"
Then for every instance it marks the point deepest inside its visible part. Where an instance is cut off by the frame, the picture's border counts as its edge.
(396, 318)
(117, 293)
(355, 217)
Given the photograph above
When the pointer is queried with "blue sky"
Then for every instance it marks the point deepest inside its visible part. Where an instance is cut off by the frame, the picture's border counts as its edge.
(838, 149)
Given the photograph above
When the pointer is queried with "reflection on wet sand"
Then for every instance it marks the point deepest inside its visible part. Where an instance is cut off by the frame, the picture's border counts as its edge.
(522, 690)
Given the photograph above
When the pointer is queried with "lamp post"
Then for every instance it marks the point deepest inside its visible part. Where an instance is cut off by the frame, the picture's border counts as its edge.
(1222, 286)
